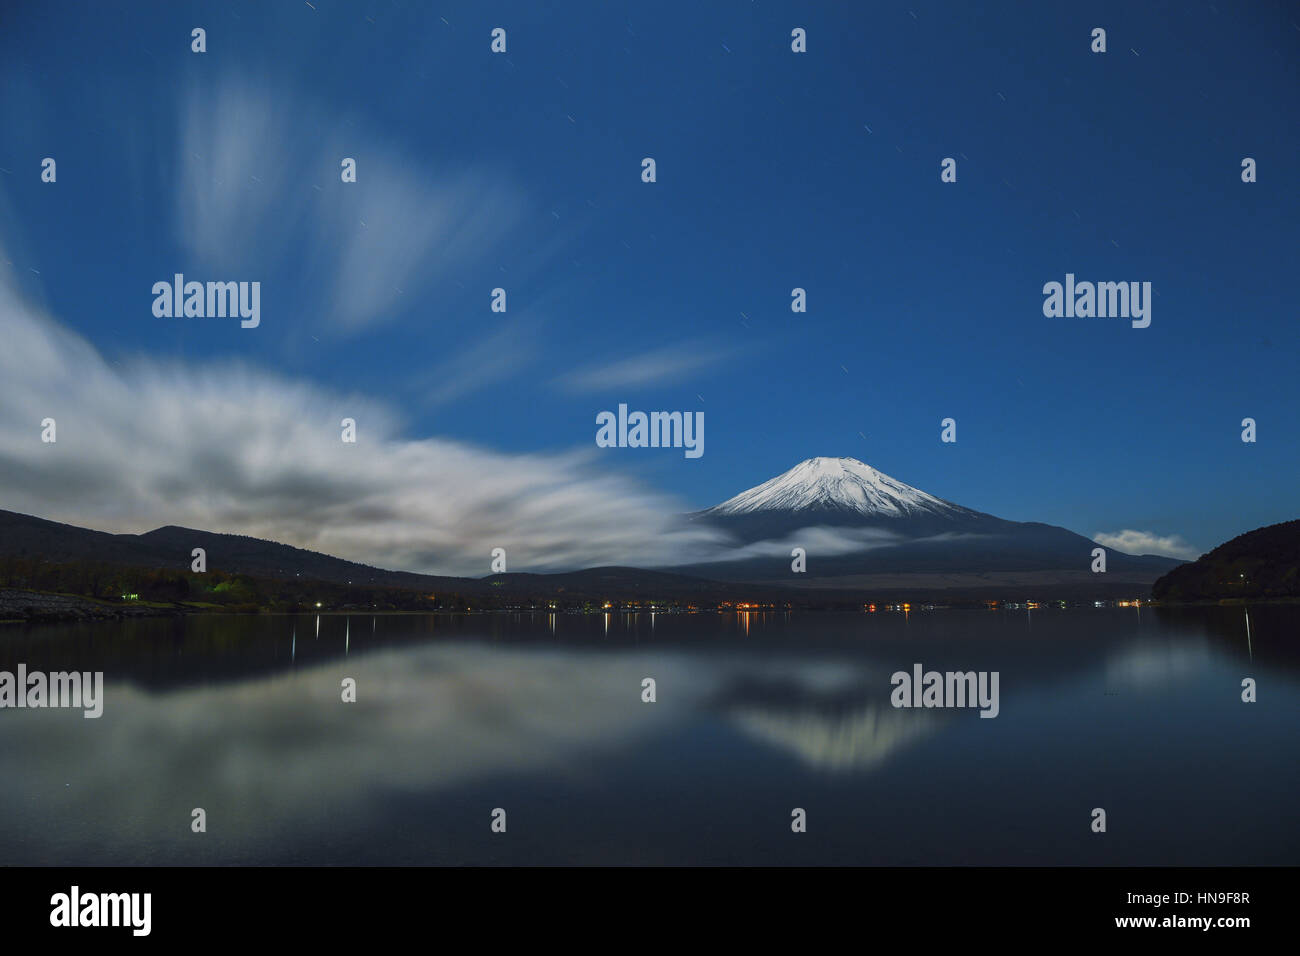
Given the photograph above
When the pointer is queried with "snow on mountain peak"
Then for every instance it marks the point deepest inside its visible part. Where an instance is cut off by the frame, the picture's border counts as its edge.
(844, 484)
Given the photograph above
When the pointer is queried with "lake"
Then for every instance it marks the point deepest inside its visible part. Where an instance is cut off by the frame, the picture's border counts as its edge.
(1137, 711)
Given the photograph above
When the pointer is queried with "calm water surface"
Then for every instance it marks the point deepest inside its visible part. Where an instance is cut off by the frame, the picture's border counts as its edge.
(1135, 711)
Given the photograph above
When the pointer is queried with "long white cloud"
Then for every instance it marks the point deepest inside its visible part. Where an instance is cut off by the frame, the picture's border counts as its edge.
(230, 447)
(1147, 542)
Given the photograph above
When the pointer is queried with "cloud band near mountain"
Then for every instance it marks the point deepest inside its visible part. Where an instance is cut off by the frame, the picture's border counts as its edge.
(232, 448)
(1147, 542)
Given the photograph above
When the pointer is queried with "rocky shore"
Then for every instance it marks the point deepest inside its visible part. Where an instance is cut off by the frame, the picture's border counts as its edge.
(38, 607)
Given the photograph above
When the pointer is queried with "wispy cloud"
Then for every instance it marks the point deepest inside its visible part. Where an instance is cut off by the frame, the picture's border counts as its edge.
(259, 187)
(660, 367)
(230, 447)
(492, 359)
(1147, 542)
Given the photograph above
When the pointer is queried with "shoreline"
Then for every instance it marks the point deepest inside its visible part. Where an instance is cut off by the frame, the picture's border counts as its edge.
(21, 606)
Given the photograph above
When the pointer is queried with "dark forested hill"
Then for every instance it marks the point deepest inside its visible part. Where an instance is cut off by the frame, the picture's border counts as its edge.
(171, 547)
(1264, 563)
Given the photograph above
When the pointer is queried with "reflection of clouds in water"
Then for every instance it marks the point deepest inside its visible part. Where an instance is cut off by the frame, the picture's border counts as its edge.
(1152, 663)
(269, 750)
(283, 757)
(857, 740)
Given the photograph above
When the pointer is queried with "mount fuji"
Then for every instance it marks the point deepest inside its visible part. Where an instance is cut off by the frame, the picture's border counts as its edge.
(852, 519)
(838, 485)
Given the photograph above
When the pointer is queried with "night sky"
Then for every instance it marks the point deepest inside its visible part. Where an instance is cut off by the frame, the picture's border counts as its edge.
(522, 170)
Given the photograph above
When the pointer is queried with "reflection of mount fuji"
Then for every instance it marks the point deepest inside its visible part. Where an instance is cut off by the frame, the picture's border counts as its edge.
(841, 725)
(852, 520)
(839, 741)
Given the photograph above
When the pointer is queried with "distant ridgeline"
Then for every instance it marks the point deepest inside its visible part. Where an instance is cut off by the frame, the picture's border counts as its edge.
(1264, 563)
(184, 590)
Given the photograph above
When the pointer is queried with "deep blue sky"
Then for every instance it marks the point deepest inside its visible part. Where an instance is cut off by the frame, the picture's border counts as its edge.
(924, 298)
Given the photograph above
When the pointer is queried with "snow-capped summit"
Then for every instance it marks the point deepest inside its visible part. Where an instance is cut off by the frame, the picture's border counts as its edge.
(848, 519)
(837, 484)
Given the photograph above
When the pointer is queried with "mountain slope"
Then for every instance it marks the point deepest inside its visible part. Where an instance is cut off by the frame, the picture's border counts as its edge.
(852, 519)
(26, 536)
(171, 547)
